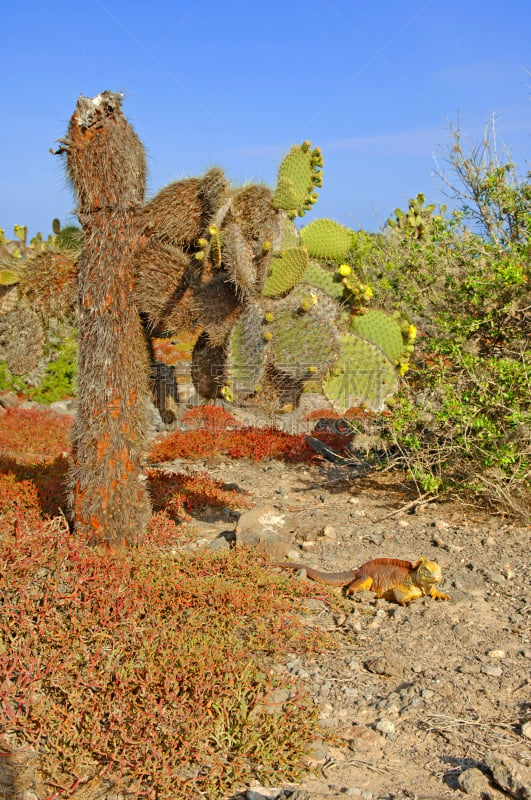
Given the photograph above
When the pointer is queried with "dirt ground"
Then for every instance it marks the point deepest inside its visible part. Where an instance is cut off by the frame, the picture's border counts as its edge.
(415, 696)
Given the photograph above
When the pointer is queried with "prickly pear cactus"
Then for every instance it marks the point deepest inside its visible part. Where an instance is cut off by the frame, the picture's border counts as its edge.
(302, 334)
(22, 340)
(418, 219)
(326, 239)
(246, 354)
(287, 269)
(298, 175)
(277, 301)
(381, 329)
(318, 275)
(362, 376)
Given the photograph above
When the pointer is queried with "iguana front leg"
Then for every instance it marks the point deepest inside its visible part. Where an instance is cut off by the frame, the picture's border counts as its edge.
(437, 595)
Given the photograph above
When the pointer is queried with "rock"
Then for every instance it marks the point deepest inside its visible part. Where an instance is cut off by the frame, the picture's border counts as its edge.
(494, 670)
(318, 750)
(63, 407)
(266, 529)
(496, 654)
(473, 781)
(9, 400)
(525, 730)
(510, 775)
(272, 704)
(385, 726)
(329, 532)
(381, 665)
(263, 793)
(188, 394)
(219, 545)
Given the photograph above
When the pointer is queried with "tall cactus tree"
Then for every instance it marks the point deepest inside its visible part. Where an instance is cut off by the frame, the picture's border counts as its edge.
(106, 165)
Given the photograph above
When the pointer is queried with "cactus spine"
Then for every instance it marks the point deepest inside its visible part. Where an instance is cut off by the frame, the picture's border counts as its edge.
(106, 164)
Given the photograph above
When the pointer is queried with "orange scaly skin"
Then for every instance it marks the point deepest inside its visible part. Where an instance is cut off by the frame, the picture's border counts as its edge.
(391, 578)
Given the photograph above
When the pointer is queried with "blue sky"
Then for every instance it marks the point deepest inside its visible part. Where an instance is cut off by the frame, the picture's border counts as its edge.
(375, 85)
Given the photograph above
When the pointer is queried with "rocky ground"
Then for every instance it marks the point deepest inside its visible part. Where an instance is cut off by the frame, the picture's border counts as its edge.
(432, 700)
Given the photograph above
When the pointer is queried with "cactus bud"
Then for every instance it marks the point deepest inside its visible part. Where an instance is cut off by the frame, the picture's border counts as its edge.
(200, 255)
(268, 336)
(202, 242)
(266, 246)
(269, 317)
(213, 230)
(344, 270)
(305, 146)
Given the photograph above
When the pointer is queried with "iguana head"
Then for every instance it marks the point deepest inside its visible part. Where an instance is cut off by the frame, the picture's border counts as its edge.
(428, 572)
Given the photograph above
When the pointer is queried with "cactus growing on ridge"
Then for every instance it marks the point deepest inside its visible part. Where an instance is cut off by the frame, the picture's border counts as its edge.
(418, 219)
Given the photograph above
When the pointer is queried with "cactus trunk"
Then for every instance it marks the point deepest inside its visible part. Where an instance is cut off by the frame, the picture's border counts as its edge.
(107, 167)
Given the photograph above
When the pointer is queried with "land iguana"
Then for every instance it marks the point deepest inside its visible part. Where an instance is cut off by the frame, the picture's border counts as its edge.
(391, 578)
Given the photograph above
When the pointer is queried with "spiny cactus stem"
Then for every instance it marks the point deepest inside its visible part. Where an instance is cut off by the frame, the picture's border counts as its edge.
(106, 165)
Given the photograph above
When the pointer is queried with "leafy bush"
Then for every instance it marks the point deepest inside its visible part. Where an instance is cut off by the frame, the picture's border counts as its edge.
(462, 421)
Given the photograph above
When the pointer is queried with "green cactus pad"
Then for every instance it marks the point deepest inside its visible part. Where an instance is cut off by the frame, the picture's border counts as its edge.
(290, 234)
(304, 338)
(327, 239)
(246, 352)
(323, 279)
(8, 277)
(297, 177)
(362, 376)
(286, 270)
(382, 330)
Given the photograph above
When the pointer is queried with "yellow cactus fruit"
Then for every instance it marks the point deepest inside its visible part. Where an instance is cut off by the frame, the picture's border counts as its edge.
(226, 392)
